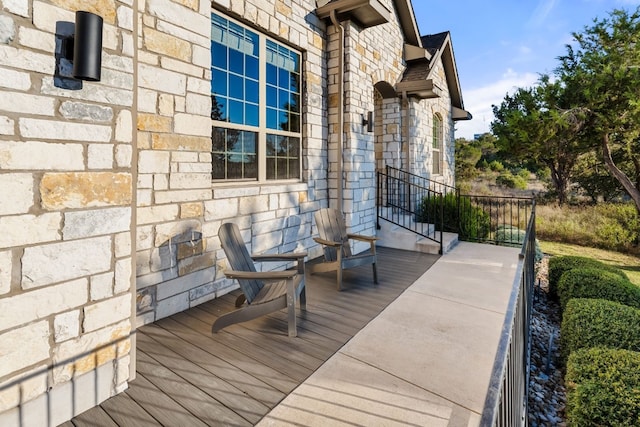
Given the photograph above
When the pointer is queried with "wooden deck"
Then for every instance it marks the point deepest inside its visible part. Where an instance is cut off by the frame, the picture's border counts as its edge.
(188, 377)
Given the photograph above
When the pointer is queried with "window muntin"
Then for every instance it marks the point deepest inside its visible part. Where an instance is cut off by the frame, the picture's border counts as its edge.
(438, 140)
(255, 113)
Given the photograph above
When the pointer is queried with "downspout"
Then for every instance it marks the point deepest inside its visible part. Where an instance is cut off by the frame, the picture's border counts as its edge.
(405, 157)
(340, 81)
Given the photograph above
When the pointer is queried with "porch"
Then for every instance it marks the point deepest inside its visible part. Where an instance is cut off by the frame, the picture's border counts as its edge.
(417, 349)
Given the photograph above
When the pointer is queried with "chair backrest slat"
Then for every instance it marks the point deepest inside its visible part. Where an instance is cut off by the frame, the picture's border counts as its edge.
(239, 258)
(331, 226)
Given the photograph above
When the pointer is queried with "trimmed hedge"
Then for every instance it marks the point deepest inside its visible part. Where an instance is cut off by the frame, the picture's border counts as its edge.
(460, 216)
(508, 235)
(559, 264)
(603, 387)
(590, 323)
(597, 283)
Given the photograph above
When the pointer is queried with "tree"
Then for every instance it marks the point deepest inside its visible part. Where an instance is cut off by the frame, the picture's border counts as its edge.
(604, 71)
(467, 155)
(542, 125)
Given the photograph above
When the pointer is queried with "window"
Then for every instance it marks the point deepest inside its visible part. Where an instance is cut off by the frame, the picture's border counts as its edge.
(438, 139)
(255, 105)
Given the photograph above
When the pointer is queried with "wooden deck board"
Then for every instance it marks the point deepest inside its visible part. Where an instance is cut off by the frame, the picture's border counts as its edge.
(188, 376)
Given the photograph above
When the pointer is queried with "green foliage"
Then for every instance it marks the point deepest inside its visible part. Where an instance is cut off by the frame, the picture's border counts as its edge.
(507, 179)
(603, 387)
(590, 323)
(597, 283)
(460, 216)
(613, 226)
(508, 235)
(496, 166)
(467, 155)
(524, 174)
(594, 179)
(558, 265)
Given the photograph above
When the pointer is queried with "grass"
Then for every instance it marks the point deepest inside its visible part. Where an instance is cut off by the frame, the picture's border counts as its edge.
(630, 264)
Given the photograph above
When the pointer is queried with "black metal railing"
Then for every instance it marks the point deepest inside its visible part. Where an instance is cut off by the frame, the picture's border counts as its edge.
(410, 202)
(506, 401)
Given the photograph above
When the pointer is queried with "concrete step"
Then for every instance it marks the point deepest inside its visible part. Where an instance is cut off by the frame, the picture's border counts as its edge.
(393, 236)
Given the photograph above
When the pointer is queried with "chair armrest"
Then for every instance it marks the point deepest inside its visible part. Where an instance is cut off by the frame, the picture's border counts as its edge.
(362, 238)
(279, 257)
(327, 242)
(261, 275)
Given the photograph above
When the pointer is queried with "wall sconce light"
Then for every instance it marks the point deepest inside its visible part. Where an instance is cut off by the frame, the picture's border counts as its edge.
(368, 122)
(84, 49)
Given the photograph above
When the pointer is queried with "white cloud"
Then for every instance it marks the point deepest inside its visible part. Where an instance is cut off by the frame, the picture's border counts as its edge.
(478, 101)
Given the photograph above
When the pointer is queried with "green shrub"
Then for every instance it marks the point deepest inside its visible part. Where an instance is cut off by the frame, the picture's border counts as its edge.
(597, 283)
(507, 179)
(603, 387)
(559, 264)
(508, 235)
(524, 174)
(470, 222)
(590, 323)
(496, 166)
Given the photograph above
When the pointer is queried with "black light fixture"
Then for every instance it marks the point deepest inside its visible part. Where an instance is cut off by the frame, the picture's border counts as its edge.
(368, 122)
(87, 47)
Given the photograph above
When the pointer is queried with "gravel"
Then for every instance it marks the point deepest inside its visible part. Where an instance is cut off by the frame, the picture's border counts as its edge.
(547, 395)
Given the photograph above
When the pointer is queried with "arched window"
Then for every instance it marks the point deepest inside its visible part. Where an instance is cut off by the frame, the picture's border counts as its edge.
(438, 141)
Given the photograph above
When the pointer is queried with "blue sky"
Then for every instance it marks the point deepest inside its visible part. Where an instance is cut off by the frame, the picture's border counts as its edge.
(500, 45)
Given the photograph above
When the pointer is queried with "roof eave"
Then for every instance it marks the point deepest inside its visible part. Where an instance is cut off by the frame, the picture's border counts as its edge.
(368, 13)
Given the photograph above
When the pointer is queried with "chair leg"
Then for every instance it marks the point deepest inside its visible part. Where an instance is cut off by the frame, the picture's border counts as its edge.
(291, 308)
(375, 274)
(303, 299)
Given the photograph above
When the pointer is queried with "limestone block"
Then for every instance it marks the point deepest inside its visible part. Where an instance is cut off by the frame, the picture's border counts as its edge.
(123, 275)
(198, 104)
(162, 258)
(17, 7)
(29, 229)
(117, 62)
(100, 156)
(191, 210)
(183, 284)
(162, 80)
(195, 168)
(23, 347)
(106, 312)
(127, 45)
(181, 67)
(66, 326)
(249, 205)
(125, 17)
(77, 356)
(7, 29)
(165, 104)
(124, 155)
(189, 124)
(85, 189)
(27, 60)
(16, 102)
(220, 209)
(165, 44)
(27, 386)
(46, 264)
(98, 93)
(175, 230)
(101, 286)
(160, 181)
(38, 304)
(6, 271)
(173, 12)
(153, 162)
(89, 112)
(122, 244)
(155, 214)
(147, 100)
(7, 126)
(189, 180)
(16, 193)
(179, 196)
(172, 305)
(197, 263)
(202, 40)
(153, 123)
(32, 155)
(104, 8)
(49, 129)
(201, 56)
(180, 142)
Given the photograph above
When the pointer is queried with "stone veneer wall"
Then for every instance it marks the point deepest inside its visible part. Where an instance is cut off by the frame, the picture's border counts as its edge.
(421, 132)
(179, 262)
(66, 190)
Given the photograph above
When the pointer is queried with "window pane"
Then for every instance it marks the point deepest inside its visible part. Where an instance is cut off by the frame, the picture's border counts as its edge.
(295, 83)
(272, 118)
(294, 122)
(271, 168)
(236, 87)
(283, 120)
(294, 103)
(218, 82)
(272, 75)
(272, 96)
(251, 91)
(218, 55)
(218, 108)
(252, 68)
(236, 112)
(236, 61)
(251, 115)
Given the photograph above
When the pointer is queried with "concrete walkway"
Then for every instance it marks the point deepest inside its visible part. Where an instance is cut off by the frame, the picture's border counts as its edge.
(425, 360)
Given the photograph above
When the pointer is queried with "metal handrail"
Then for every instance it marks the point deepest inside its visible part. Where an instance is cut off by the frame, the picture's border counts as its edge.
(506, 403)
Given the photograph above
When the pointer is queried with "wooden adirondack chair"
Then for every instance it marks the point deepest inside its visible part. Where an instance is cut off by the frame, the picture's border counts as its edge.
(337, 251)
(263, 292)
